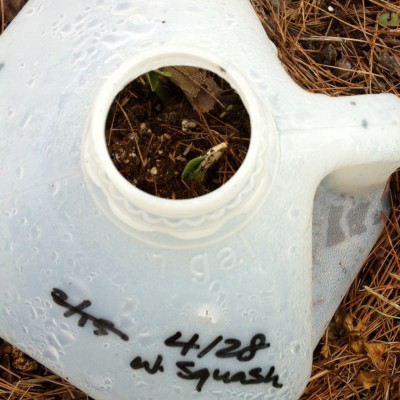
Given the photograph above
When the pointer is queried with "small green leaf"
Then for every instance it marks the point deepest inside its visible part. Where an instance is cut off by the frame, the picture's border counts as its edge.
(163, 73)
(196, 169)
(153, 77)
(154, 80)
(389, 19)
(191, 167)
(198, 175)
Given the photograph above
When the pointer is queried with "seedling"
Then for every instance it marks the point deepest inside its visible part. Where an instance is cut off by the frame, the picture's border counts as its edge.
(389, 19)
(154, 77)
(227, 109)
(197, 168)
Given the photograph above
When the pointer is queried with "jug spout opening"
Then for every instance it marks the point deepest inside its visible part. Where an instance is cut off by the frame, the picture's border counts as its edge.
(139, 212)
(360, 180)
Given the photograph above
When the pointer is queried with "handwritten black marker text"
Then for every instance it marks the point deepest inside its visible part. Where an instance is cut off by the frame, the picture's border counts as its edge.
(138, 363)
(228, 348)
(255, 375)
(103, 326)
(232, 347)
(219, 347)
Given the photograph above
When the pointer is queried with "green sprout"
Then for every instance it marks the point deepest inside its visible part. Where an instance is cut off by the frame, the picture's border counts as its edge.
(193, 170)
(154, 77)
(228, 108)
(389, 19)
(197, 168)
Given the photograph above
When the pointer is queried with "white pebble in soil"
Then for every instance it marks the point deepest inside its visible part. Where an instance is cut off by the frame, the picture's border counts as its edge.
(153, 171)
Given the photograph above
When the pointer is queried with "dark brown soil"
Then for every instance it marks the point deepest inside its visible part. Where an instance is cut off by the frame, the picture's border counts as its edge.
(150, 142)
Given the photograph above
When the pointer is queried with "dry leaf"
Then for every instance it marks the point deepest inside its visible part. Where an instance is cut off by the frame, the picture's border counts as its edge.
(367, 379)
(328, 55)
(74, 395)
(333, 332)
(12, 8)
(357, 346)
(325, 351)
(335, 328)
(352, 324)
(200, 89)
(375, 352)
(390, 62)
(344, 67)
(5, 361)
(22, 362)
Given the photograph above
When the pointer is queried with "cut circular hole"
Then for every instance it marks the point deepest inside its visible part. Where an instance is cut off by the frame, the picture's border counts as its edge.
(178, 132)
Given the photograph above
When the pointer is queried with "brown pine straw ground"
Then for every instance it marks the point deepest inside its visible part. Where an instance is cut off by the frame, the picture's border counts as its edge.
(337, 48)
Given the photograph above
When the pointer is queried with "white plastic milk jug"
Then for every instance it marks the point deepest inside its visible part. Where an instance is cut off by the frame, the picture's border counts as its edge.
(130, 296)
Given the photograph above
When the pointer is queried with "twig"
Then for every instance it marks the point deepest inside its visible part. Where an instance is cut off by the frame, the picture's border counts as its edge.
(331, 39)
(383, 298)
(135, 136)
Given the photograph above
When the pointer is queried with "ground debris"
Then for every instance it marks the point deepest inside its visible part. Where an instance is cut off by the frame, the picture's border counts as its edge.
(390, 62)
(199, 87)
